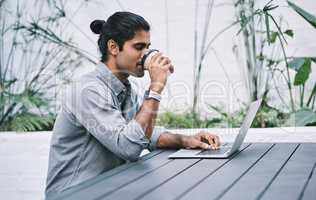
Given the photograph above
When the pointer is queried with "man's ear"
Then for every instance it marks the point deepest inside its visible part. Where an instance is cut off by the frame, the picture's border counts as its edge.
(113, 47)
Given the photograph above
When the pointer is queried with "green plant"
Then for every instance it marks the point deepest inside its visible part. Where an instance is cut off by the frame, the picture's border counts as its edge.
(306, 115)
(267, 116)
(226, 119)
(256, 28)
(185, 120)
(35, 60)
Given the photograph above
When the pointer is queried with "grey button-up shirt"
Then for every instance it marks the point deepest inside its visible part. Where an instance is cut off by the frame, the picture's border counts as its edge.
(95, 130)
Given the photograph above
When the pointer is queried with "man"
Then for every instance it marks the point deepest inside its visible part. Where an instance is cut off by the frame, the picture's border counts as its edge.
(101, 125)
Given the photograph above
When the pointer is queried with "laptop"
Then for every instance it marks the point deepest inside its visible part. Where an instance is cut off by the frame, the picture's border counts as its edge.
(226, 149)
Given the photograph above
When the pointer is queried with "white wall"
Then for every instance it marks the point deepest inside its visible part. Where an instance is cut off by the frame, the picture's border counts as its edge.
(172, 24)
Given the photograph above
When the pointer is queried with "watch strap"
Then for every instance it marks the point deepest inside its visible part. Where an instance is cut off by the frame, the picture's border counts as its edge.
(149, 94)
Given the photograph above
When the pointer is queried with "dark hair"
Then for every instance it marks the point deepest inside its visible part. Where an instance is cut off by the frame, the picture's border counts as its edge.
(120, 27)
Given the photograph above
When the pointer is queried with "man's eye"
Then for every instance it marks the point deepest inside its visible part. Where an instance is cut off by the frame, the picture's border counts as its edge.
(139, 48)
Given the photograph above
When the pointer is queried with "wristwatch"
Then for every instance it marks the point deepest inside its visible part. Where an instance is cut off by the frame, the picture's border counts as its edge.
(149, 94)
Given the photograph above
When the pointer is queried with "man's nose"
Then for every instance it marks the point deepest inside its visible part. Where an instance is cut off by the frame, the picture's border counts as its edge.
(144, 51)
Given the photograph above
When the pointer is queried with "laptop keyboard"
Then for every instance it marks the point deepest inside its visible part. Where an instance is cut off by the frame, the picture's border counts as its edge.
(223, 149)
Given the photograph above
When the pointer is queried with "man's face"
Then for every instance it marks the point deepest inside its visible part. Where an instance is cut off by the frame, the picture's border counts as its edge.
(128, 60)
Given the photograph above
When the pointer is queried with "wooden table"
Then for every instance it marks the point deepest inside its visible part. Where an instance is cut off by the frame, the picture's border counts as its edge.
(259, 171)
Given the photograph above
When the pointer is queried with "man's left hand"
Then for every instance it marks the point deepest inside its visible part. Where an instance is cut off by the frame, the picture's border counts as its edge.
(203, 140)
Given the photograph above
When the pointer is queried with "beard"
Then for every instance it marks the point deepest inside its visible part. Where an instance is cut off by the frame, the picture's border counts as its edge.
(139, 71)
(136, 71)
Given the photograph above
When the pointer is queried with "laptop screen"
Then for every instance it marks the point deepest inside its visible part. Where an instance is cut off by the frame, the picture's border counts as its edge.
(250, 116)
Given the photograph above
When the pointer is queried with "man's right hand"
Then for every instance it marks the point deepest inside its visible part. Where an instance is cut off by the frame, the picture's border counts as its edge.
(159, 67)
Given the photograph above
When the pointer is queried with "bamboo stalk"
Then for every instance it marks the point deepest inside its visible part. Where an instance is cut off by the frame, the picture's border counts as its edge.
(199, 67)
(286, 65)
(195, 57)
(302, 95)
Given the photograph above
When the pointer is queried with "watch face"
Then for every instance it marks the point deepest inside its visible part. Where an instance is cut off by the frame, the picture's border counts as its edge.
(146, 95)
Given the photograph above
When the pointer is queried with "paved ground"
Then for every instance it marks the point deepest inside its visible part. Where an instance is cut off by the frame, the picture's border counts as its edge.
(23, 156)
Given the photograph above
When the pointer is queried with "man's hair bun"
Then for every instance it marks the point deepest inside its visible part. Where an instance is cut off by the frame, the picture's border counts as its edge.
(96, 26)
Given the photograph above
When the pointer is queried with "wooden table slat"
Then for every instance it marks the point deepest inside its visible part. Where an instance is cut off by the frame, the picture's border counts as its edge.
(310, 190)
(259, 171)
(107, 174)
(217, 183)
(187, 179)
(291, 180)
(152, 180)
(259, 176)
(112, 183)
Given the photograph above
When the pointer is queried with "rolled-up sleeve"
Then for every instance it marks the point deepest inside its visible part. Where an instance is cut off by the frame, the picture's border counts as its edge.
(105, 122)
(157, 131)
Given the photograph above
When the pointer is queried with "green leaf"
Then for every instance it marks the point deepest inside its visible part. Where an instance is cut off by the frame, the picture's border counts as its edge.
(273, 37)
(303, 73)
(260, 57)
(312, 95)
(8, 83)
(289, 32)
(296, 63)
(31, 122)
(269, 6)
(303, 117)
(307, 16)
(243, 23)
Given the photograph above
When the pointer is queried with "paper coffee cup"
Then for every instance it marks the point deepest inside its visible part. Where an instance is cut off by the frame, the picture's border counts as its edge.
(147, 57)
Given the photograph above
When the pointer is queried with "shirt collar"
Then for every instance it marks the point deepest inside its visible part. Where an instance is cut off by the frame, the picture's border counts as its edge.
(111, 80)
